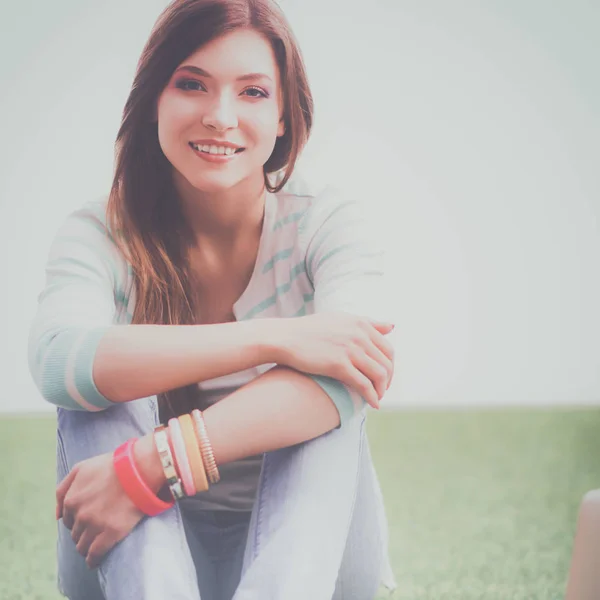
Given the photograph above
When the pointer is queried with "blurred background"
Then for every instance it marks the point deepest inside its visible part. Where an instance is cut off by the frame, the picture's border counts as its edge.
(471, 129)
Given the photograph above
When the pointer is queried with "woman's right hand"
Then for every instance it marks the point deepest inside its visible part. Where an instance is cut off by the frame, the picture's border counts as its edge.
(349, 348)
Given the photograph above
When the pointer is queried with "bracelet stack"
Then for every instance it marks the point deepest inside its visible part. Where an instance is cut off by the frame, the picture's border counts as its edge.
(186, 457)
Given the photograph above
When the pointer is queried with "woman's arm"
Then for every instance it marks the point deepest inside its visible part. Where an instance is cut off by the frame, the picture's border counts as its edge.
(345, 261)
(81, 361)
(284, 407)
(280, 408)
(352, 359)
(137, 361)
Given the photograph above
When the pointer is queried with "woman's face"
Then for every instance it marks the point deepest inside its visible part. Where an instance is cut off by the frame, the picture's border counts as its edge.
(221, 113)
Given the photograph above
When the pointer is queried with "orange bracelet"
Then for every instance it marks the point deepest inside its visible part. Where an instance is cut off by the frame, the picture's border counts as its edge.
(193, 453)
(205, 447)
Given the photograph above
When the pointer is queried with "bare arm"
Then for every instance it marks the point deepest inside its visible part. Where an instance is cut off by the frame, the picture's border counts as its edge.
(285, 407)
(137, 361)
(281, 408)
(347, 362)
(81, 360)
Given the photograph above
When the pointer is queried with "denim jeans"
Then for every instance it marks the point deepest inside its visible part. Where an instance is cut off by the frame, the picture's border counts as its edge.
(217, 540)
(317, 530)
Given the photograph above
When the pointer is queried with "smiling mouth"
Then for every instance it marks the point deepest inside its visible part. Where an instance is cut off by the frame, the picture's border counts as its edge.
(216, 150)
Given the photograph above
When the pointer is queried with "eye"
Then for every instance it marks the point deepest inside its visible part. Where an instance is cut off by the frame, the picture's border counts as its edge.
(256, 92)
(189, 85)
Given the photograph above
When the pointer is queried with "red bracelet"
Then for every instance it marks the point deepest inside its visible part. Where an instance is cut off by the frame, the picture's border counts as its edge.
(133, 484)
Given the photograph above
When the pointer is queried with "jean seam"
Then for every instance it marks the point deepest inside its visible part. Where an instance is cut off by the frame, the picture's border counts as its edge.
(361, 441)
(102, 581)
(259, 509)
(60, 444)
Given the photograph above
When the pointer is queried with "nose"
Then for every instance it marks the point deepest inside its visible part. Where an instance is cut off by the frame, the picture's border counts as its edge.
(220, 115)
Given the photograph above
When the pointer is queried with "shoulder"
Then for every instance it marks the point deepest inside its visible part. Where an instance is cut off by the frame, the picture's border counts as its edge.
(316, 204)
(88, 220)
(85, 233)
(92, 213)
(333, 217)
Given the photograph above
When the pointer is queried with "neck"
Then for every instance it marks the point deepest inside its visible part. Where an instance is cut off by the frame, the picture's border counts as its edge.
(223, 215)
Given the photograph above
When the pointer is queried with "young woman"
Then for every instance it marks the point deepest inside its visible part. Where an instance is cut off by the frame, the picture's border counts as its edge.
(208, 284)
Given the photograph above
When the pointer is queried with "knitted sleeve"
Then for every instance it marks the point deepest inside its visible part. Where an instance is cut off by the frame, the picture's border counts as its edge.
(76, 306)
(345, 263)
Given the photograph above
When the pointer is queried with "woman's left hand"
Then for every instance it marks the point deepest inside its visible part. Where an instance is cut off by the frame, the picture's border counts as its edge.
(95, 507)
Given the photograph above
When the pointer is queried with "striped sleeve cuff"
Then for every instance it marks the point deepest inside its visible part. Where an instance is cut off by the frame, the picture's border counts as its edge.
(346, 400)
(67, 372)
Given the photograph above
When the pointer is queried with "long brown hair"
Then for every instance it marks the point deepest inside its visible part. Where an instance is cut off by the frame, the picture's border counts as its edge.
(143, 213)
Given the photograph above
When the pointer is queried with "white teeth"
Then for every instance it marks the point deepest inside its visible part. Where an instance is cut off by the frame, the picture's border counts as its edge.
(214, 149)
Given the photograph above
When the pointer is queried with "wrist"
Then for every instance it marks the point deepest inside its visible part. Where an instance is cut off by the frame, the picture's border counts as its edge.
(148, 463)
(270, 340)
(264, 340)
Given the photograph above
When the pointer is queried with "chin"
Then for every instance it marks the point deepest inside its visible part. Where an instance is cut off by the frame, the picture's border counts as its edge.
(214, 183)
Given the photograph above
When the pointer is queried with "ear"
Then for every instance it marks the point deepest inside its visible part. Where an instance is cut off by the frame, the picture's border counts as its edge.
(281, 127)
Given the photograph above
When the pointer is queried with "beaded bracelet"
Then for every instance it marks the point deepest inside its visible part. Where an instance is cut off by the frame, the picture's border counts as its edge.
(161, 441)
(133, 484)
(181, 457)
(205, 447)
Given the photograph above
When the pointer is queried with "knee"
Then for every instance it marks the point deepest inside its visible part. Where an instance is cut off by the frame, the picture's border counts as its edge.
(152, 561)
(82, 435)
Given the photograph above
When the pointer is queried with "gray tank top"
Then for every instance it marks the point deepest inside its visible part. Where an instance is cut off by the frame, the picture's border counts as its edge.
(237, 488)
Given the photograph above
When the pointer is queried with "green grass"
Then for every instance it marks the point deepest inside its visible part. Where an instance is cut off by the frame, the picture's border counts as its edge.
(482, 505)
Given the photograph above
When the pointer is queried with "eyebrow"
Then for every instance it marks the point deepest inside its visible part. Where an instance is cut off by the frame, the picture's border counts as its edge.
(203, 73)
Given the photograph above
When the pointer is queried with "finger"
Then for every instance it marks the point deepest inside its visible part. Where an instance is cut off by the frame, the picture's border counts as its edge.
(85, 542)
(69, 511)
(68, 518)
(77, 530)
(98, 548)
(382, 343)
(377, 355)
(373, 370)
(61, 492)
(362, 384)
(383, 326)
(391, 376)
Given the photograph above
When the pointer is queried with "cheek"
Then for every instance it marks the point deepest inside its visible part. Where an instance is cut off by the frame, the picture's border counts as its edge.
(265, 125)
(174, 116)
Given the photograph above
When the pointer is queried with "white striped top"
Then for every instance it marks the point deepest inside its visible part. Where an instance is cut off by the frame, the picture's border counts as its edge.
(315, 254)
